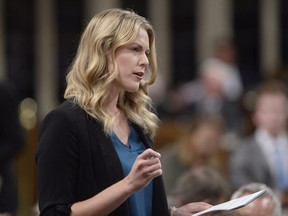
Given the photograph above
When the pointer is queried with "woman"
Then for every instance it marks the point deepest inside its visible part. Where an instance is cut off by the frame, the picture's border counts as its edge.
(95, 156)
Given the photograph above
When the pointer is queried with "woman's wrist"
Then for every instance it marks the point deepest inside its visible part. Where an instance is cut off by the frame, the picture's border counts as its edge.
(128, 186)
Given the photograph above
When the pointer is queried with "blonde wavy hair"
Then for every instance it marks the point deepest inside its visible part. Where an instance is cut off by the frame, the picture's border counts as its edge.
(89, 80)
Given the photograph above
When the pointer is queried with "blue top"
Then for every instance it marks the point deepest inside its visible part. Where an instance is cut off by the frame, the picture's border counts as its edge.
(140, 203)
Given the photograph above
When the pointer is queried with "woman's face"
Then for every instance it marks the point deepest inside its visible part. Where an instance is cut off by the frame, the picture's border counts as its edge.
(132, 61)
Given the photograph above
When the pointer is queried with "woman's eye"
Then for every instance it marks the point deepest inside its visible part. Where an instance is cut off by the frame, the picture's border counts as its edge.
(136, 49)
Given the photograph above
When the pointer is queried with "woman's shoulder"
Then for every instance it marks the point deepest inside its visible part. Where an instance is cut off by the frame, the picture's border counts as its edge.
(70, 114)
(67, 111)
(68, 107)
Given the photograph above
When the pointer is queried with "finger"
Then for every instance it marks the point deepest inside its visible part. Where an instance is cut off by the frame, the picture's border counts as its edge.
(198, 206)
(155, 169)
(152, 172)
(152, 164)
(151, 161)
(149, 154)
(155, 173)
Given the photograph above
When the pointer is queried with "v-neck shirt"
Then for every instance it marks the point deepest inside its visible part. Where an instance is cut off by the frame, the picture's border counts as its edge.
(140, 203)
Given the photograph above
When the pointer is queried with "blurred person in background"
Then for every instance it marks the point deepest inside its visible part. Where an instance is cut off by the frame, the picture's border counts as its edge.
(197, 147)
(225, 52)
(11, 143)
(266, 205)
(263, 156)
(206, 95)
(217, 88)
(200, 184)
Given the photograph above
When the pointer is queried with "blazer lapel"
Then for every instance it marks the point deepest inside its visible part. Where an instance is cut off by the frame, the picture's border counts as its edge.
(109, 156)
(146, 141)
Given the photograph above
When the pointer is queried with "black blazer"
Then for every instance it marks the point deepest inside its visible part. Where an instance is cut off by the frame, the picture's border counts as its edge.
(76, 160)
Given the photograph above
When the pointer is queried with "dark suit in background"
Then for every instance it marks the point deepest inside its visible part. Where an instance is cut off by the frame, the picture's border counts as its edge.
(248, 164)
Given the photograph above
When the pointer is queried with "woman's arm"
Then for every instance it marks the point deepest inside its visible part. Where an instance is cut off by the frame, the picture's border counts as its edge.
(146, 167)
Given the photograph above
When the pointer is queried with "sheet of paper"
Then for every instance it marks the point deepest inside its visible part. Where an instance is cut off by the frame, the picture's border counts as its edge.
(232, 204)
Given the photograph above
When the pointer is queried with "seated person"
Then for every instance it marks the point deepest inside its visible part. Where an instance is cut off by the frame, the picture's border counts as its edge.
(263, 156)
(199, 146)
(201, 184)
(266, 205)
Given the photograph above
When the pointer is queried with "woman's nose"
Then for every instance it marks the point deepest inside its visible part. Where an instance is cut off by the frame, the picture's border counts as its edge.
(144, 60)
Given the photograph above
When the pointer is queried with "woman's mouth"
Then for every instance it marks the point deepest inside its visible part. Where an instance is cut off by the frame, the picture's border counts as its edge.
(139, 74)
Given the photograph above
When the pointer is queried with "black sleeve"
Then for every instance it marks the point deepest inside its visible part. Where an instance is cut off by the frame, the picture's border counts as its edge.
(57, 164)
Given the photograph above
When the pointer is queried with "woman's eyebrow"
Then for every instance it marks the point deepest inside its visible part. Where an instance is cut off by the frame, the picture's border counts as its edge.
(140, 45)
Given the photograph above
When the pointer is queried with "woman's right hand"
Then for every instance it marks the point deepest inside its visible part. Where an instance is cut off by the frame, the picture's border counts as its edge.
(146, 167)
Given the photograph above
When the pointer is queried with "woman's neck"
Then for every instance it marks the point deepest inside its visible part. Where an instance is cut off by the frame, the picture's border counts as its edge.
(111, 106)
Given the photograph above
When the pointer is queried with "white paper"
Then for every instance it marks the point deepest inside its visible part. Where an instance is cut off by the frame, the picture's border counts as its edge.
(232, 204)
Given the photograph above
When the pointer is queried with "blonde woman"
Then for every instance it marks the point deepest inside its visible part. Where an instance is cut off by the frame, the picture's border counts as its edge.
(94, 155)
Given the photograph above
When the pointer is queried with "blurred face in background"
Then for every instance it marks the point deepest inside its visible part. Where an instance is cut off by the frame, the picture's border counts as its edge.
(260, 207)
(212, 82)
(226, 52)
(271, 113)
(205, 140)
